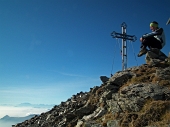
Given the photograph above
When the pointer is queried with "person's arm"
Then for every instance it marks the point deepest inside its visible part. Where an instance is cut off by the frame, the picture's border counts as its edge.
(157, 32)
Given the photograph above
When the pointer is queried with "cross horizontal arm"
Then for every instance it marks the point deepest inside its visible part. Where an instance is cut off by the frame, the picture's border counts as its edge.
(126, 38)
(123, 36)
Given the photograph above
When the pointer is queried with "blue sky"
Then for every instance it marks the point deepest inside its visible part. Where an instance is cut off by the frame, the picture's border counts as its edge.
(52, 49)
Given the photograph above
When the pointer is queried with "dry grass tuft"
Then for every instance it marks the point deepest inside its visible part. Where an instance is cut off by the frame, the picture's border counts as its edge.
(93, 100)
(164, 83)
(146, 75)
(156, 79)
(107, 117)
(143, 74)
(155, 113)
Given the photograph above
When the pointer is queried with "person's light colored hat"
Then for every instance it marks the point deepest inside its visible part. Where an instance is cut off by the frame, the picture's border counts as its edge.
(154, 24)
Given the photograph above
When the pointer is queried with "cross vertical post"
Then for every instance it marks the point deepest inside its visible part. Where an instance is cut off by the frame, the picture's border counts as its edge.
(124, 38)
(124, 47)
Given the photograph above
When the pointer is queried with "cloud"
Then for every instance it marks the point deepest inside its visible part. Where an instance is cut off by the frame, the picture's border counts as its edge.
(73, 75)
(20, 111)
(69, 74)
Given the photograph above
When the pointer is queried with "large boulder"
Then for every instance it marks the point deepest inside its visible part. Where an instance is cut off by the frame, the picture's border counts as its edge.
(155, 54)
(132, 97)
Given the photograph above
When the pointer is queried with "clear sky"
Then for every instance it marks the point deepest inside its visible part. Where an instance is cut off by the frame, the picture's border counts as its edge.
(52, 49)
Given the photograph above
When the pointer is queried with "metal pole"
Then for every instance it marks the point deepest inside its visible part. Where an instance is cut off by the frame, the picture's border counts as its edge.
(124, 46)
(122, 51)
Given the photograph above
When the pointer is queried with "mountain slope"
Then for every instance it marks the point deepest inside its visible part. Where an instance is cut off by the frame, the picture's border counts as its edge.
(136, 97)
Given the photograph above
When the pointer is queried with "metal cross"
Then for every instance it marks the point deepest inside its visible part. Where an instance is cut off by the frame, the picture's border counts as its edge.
(124, 37)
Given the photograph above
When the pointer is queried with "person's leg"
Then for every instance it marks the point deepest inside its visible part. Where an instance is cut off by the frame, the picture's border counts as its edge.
(151, 43)
(143, 49)
(144, 43)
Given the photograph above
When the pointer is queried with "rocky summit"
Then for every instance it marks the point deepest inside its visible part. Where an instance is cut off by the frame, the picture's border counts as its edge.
(136, 97)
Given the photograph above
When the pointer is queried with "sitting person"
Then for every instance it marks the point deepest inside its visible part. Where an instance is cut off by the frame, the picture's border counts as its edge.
(154, 41)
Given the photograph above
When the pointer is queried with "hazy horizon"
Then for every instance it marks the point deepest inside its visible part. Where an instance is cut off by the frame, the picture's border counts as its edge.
(13, 120)
(14, 111)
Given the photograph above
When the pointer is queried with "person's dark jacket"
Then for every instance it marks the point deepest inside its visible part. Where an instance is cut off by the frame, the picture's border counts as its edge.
(158, 34)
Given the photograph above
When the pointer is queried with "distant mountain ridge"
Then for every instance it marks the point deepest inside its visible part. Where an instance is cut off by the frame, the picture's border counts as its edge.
(26, 104)
(8, 121)
(9, 118)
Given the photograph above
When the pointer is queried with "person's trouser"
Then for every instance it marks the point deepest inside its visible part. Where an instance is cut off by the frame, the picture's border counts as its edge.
(151, 43)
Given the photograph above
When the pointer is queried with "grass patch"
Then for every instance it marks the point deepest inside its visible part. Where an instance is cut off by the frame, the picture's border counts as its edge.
(155, 113)
(108, 116)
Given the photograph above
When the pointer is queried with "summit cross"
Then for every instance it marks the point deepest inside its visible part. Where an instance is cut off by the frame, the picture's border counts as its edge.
(124, 38)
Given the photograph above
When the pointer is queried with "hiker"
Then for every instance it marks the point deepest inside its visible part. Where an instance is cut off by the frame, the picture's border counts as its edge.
(154, 41)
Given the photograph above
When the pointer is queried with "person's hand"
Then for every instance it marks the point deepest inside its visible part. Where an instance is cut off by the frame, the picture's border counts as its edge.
(142, 39)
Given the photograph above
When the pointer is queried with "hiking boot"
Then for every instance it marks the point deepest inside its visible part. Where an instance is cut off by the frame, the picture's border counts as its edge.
(142, 52)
